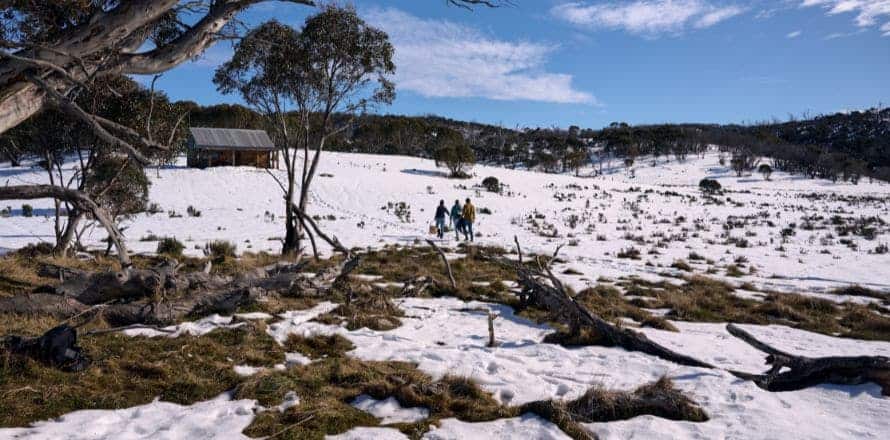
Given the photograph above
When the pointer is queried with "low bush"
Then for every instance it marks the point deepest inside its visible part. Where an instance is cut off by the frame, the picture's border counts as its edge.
(492, 184)
(27, 210)
(220, 249)
(682, 265)
(629, 253)
(709, 186)
(170, 246)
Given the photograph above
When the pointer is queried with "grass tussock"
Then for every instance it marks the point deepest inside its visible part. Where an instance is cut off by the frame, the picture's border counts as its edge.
(406, 264)
(702, 299)
(369, 309)
(319, 346)
(598, 404)
(128, 371)
(857, 290)
(326, 388)
(610, 304)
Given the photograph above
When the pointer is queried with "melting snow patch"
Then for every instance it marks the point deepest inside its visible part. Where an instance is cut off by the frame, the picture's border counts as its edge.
(220, 418)
(297, 322)
(258, 316)
(294, 359)
(194, 328)
(291, 399)
(527, 426)
(364, 433)
(389, 410)
(247, 370)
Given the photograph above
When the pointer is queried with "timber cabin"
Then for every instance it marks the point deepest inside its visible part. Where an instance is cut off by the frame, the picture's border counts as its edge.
(216, 147)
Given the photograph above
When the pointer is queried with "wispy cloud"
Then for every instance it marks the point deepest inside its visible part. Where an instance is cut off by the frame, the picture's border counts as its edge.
(650, 18)
(440, 58)
(794, 34)
(836, 35)
(868, 12)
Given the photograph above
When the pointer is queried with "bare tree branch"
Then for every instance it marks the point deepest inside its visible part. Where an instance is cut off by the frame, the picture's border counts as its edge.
(447, 264)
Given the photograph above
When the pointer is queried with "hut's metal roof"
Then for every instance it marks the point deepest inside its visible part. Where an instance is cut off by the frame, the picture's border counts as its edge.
(230, 139)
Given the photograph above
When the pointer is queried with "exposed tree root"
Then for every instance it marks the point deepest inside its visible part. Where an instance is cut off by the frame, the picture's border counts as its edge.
(803, 372)
(164, 296)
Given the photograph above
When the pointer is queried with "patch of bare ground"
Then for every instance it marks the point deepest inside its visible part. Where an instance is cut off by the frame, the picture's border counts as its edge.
(127, 371)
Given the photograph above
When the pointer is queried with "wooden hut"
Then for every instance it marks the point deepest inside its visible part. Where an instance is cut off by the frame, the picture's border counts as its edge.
(214, 147)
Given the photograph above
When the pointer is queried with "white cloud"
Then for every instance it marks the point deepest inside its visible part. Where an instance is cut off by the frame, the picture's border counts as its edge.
(439, 58)
(718, 15)
(650, 18)
(794, 34)
(868, 12)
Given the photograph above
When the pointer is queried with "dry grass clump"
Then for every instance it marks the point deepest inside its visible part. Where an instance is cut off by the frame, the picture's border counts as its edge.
(371, 309)
(319, 346)
(598, 404)
(659, 399)
(609, 304)
(326, 388)
(406, 264)
(681, 265)
(857, 290)
(702, 299)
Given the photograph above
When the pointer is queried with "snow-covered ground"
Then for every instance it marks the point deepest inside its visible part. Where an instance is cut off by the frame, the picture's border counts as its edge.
(357, 196)
(614, 212)
(444, 336)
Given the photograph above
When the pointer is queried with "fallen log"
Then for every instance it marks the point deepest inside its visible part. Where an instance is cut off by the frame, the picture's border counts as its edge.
(555, 298)
(173, 311)
(803, 372)
(164, 296)
(49, 304)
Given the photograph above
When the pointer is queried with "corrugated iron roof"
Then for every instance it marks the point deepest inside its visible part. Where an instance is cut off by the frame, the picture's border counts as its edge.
(230, 138)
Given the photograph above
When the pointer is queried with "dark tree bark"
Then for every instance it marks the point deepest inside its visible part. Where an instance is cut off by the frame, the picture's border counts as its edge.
(803, 372)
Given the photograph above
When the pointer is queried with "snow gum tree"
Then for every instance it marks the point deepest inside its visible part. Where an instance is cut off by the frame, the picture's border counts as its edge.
(51, 50)
(453, 151)
(299, 79)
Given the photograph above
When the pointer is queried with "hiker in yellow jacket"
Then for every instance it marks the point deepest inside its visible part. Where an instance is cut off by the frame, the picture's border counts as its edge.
(468, 216)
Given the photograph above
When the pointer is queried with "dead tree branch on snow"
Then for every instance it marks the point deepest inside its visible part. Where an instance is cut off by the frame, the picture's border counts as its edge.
(803, 372)
(554, 297)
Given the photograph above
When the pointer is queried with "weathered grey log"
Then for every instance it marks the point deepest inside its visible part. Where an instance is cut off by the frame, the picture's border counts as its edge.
(176, 310)
(49, 304)
(556, 299)
(58, 272)
(803, 372)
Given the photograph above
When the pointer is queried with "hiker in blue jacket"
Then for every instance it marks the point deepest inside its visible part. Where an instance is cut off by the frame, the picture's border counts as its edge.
(441, 215)
(455, 218)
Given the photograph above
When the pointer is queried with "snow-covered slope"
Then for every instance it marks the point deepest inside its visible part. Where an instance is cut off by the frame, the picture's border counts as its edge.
(357, 197)
(659, 211)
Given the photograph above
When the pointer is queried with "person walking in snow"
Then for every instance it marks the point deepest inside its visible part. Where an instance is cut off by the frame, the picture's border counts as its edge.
(456, 211)
(441, 215)
(469, 216)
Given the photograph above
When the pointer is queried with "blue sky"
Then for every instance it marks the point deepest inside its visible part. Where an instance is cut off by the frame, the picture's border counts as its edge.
(588, 63)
